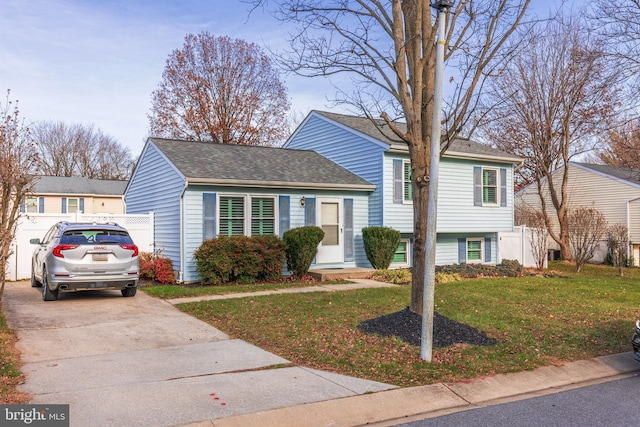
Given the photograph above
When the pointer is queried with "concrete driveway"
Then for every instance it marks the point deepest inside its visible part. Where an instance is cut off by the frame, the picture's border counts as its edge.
(139, 361)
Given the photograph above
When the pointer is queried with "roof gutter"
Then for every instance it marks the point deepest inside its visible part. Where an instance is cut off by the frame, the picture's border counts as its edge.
(279, 184)
(397, 148)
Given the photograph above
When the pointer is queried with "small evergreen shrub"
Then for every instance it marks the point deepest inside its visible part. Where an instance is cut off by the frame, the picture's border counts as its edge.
(301, 246)
(380, 244)
(401, 276)
(239, 259)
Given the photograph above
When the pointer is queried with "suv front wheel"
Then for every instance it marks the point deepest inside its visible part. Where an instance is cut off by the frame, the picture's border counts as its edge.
(47, 294)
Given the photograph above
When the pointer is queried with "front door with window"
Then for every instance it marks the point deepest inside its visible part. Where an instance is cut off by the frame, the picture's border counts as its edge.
(331, 249)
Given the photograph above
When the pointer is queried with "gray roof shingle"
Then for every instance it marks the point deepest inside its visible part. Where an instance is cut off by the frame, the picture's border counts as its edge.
(78, 185)
(226, 163)
(379, 130)
(627, 174)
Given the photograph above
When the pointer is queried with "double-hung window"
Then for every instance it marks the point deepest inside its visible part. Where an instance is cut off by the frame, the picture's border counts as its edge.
(401, 257)
(475, 250)
(489, 186)
(231, 215)
(247, 215)
(408, 190)
(263, 216)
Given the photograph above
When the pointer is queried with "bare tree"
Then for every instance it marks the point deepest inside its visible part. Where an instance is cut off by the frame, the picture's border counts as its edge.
(18, 160)
(554, 100)
(80, 150)
(389, 51)
(618, 243)
(534, 221)
(587, 227)
(220, 90)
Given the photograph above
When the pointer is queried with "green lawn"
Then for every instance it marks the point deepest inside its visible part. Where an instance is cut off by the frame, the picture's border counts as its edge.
(536, 320)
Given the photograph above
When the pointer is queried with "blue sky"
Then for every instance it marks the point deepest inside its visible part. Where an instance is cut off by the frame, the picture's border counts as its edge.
(97, 62)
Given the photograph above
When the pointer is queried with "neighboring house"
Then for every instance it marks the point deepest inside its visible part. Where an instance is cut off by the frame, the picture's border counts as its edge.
(199, 190)
(70, 194)
(475, 194)
(614, 191)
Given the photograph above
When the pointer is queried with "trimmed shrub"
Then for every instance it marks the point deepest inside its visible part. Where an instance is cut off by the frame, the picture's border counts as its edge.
(301, 246)
(156, 267)
(380, 244)
(239, 259)
(447, 278)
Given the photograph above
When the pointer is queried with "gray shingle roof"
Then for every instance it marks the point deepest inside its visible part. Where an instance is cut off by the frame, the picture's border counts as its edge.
(78, 185)
(627, 174)
(379, 130)
(226, 163)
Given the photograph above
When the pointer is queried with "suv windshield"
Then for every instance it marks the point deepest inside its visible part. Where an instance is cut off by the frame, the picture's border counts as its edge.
(92, 237)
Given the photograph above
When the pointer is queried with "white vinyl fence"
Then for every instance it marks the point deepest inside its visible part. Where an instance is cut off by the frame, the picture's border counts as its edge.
(32, 226)
(517, 245)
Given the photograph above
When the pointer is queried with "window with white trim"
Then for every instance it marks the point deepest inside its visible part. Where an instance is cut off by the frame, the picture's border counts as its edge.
(72, 205)
(489, 186)
(247, 215)
(475, 250)
(401, 257)
(263, 216)
(231, 215)
(406, 181)
(31, 205)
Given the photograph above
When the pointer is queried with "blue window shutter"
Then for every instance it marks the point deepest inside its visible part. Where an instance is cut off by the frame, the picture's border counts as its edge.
(82, 204)
(64, 205)
(348, 229)
(503, 187)
(40, 204)
(23, 207)
(208, 216)
(398, 181)
(477, 186)
(284, 211)
(462, 250)
(487, 249)
(310, 211)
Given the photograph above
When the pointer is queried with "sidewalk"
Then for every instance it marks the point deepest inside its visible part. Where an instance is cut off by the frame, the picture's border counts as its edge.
(387, 408)
(399, 405)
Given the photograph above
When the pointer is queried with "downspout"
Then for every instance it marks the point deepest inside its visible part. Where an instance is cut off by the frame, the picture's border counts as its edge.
(181, 272)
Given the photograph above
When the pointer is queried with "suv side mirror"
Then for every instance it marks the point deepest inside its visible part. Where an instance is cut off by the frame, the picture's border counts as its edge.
(34, 241)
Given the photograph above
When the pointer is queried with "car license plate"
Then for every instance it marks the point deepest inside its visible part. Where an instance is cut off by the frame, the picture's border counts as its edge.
(100, 257)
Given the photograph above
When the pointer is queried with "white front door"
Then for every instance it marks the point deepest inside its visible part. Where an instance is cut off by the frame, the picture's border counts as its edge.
(331, 249)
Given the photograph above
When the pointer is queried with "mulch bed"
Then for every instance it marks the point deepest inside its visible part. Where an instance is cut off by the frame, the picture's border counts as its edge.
(407, 326)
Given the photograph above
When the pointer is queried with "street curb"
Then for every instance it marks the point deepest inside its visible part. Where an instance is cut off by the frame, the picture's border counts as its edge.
(402, 404)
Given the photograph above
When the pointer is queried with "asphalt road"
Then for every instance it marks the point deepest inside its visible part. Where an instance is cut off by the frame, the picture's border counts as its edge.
(607, 404)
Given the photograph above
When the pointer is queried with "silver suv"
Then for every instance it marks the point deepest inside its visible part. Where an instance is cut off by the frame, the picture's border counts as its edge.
(82, 256)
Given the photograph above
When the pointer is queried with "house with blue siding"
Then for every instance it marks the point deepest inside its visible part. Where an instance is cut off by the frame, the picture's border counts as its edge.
(199, 190)
(475, 194)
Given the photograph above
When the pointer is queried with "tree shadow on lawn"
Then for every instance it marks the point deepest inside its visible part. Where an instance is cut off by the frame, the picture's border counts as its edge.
(407, 326)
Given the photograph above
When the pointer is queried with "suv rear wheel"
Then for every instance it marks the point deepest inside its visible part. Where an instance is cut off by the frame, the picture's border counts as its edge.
(128, 292)
(47, 294)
